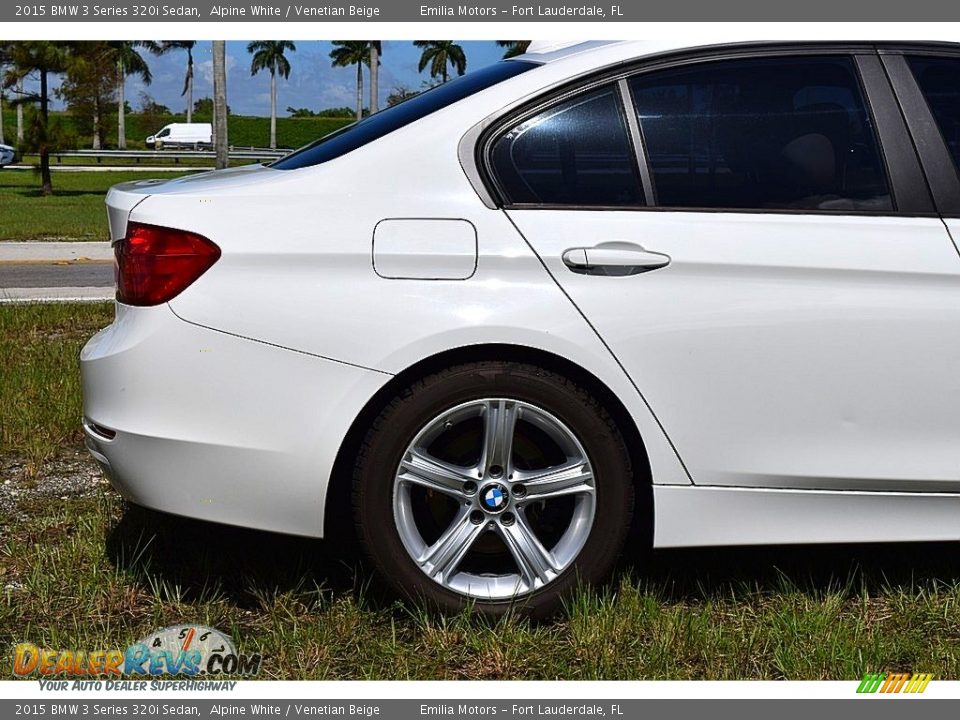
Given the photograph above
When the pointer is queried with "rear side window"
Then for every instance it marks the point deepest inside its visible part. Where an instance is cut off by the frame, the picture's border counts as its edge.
(577, 152)
(939, 81)
(765, 133)
(393, 118)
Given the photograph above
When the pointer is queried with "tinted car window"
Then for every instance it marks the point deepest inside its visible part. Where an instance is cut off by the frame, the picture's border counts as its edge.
(766, 133)
(392, 118)
(939, 80)
(575, 153)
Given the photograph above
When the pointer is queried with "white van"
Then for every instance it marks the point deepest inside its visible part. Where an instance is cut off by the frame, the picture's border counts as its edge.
(179, 135)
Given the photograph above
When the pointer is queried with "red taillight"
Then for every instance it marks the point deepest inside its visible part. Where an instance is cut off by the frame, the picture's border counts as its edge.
(155, 264)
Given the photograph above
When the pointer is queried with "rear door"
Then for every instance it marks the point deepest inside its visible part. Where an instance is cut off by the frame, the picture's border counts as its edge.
(772, 276)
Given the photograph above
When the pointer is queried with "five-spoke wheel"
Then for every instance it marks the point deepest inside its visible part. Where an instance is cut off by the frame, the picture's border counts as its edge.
(497, 484)
(502, 492)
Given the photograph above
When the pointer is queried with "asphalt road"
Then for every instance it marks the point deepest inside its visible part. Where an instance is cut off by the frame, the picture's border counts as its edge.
(55, 276)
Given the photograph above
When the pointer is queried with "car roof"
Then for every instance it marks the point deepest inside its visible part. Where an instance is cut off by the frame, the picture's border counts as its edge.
(597, 53)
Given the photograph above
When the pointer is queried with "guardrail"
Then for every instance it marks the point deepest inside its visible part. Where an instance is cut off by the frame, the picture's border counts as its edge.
(236, 153)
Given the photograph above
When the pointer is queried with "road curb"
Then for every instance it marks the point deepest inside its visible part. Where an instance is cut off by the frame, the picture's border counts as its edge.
(13, 252)
(77, 261)
(21, 296)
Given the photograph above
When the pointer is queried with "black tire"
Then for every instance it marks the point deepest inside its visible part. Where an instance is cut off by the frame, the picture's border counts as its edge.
(414, 407)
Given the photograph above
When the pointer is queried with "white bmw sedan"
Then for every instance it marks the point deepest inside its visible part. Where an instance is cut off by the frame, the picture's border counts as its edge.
(708, 293)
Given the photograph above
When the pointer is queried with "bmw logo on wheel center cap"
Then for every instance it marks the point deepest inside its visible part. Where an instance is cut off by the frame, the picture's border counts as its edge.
(494, 498)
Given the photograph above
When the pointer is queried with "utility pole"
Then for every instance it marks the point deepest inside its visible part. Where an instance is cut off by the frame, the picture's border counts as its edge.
(220, 103)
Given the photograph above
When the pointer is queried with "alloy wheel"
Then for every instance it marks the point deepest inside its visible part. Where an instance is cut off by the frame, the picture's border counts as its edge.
(494, 498)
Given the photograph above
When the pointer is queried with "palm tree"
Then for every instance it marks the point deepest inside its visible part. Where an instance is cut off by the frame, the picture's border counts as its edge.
(19, 94)
(352, 52)
(268, 55)
(188, 45)
(376, 50)
(440, 53)
(4, 59)
(89, 83)
(513, 47)
(220, 136)
(42, 58)
(130, 62)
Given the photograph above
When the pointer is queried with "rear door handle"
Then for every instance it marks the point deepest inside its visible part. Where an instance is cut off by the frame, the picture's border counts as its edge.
(614, 258)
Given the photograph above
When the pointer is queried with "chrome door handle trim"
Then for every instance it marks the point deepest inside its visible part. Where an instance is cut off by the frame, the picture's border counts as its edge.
(615, 259)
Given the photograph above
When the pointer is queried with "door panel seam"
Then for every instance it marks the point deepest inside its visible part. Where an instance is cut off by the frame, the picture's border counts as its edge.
(606, 346)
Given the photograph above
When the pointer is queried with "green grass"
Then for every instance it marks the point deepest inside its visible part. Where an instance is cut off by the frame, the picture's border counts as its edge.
(75, 211)
(242, 130)
(91, 572)
(39, 374)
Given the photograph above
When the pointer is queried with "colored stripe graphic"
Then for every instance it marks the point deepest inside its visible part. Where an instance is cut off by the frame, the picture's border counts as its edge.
(871, 682)
(894, 683)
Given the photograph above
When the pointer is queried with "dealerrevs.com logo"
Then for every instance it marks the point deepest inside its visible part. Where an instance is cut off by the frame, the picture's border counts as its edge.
(176, 650)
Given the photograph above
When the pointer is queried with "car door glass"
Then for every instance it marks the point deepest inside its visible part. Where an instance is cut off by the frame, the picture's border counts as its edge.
(764, 134)
(939, 81)
(574, 153)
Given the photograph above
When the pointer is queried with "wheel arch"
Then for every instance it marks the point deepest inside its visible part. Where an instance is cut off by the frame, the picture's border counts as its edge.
(338, 516)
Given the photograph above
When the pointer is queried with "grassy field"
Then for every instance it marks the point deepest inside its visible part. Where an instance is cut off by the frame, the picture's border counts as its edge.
(242, 130)
(40, 380)
(81, 569)
(75, 212)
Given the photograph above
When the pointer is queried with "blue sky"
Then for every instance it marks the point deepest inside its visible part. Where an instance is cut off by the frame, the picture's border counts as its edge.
(313, 83)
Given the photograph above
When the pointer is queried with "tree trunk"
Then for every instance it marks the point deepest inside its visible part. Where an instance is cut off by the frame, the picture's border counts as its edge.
(190, 90)
(121, 114)
(220, 102)
(374, 78)
(1, 118)
(273, 111)
(19, 111)
(96, 124)
(46, 182)
(444, 71)
(359, 91)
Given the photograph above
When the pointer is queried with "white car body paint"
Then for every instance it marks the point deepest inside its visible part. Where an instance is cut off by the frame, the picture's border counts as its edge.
(829, 317)
(295, 331)
(704, 516)
(214, 426)
(415, 249)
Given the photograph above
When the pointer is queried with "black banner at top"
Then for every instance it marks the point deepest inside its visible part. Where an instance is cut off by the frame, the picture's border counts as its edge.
(481, 11)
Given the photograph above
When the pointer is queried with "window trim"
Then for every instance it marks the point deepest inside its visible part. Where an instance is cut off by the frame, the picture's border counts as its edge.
(518, 119)
(637, 142)
(904, 198)
(931, 147)
(908, 184)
